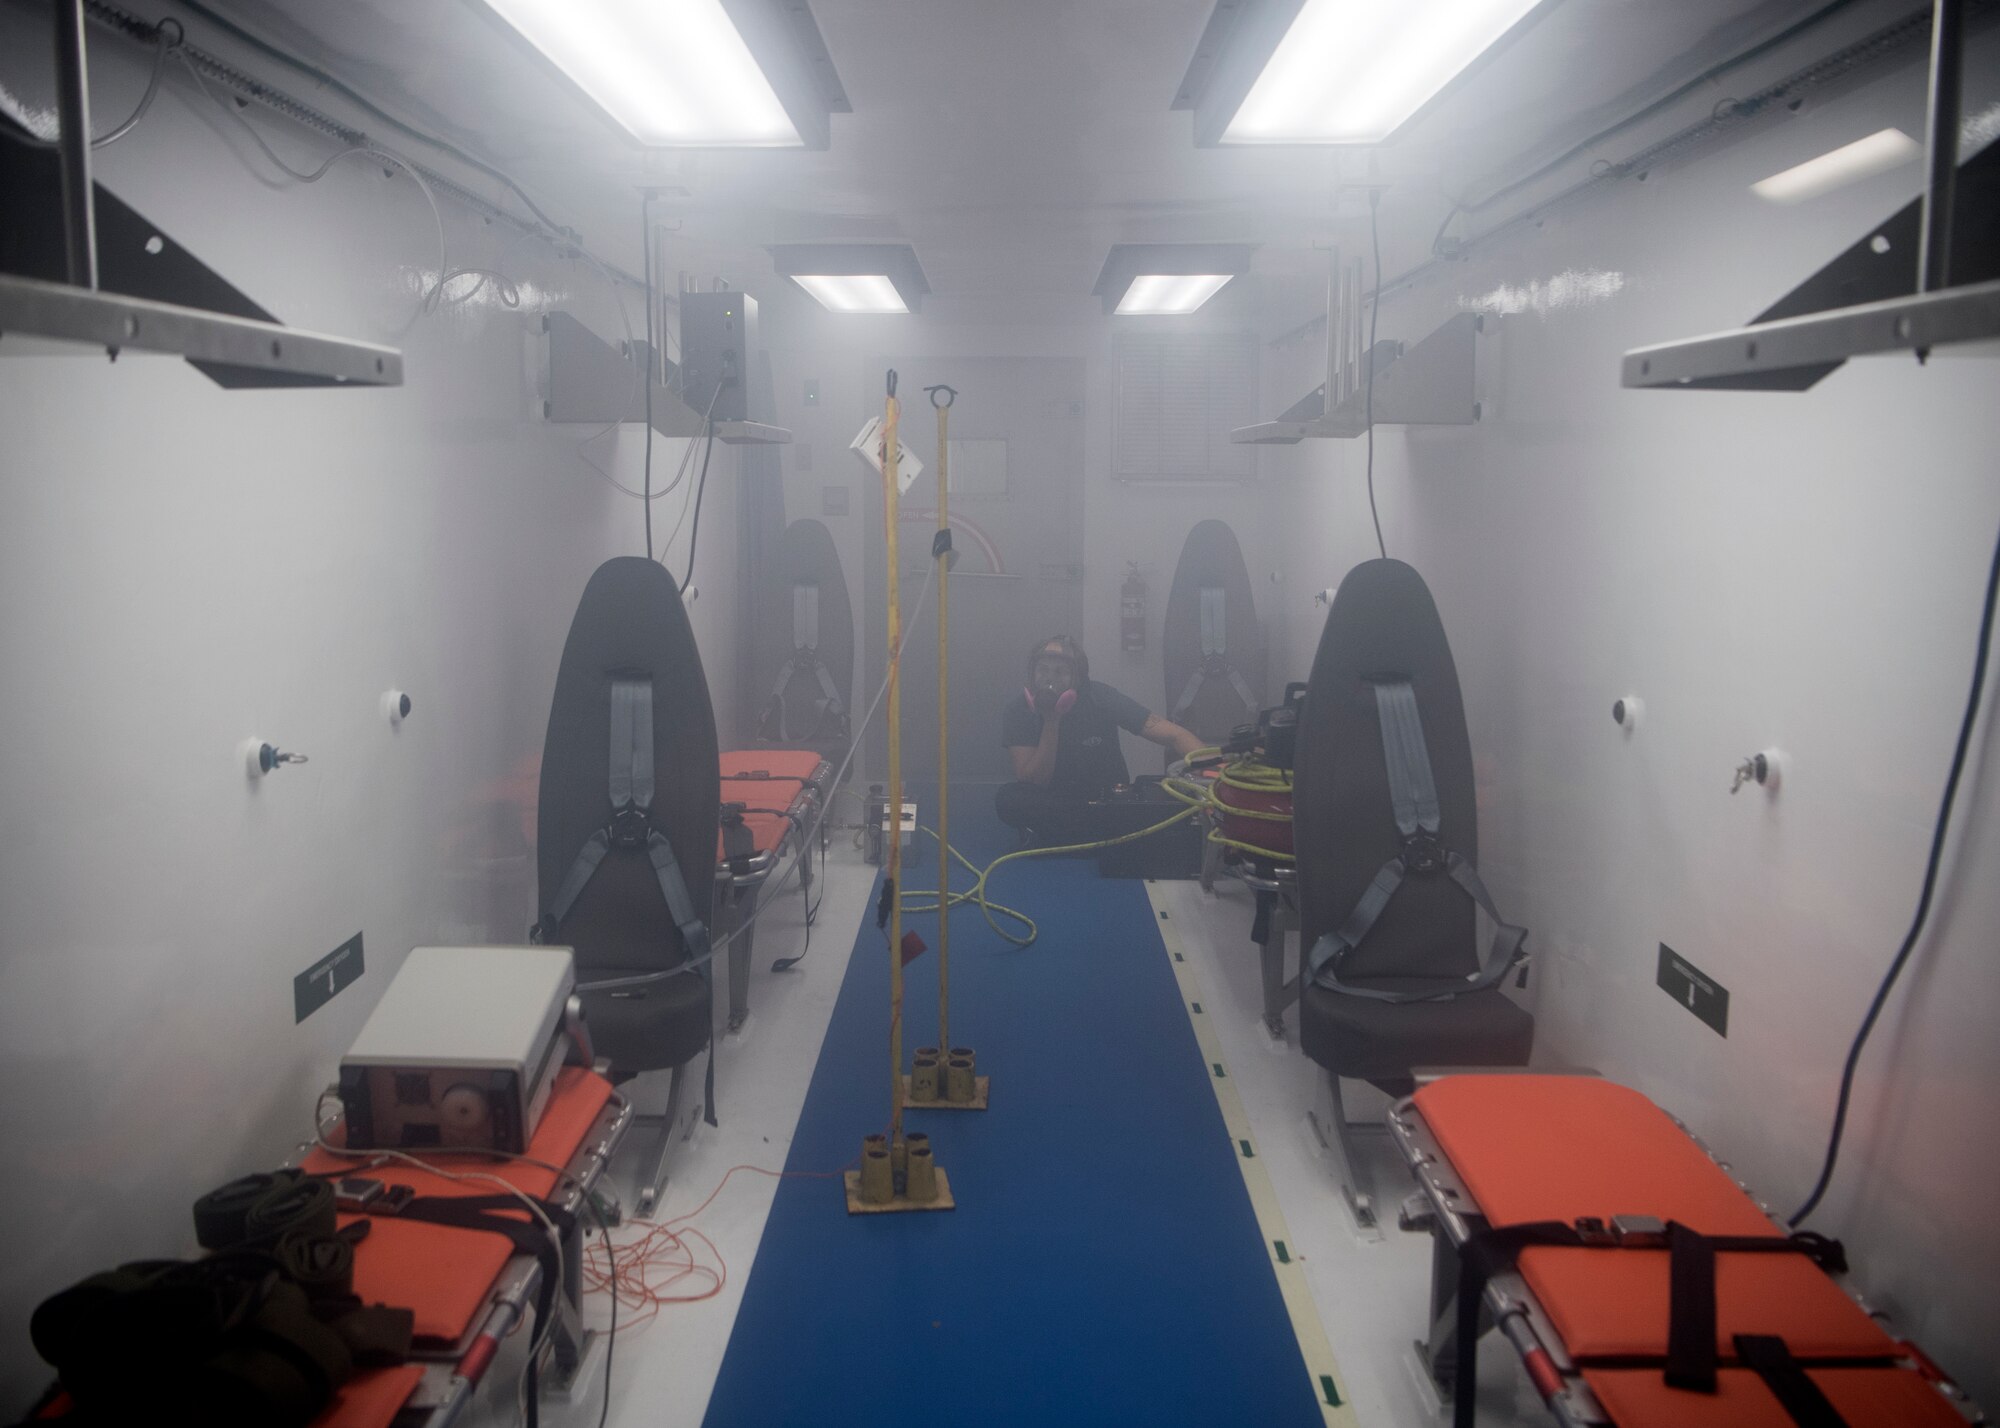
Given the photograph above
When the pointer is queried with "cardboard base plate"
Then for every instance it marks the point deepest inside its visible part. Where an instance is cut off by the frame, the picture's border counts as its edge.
(857, 1206)
(977, 1103)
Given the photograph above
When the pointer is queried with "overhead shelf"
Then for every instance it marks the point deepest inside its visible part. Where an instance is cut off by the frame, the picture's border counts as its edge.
(1792, 354)
(267, 353)
(595, 384)
(138, 290)
(1926, 278)
(1429, 384)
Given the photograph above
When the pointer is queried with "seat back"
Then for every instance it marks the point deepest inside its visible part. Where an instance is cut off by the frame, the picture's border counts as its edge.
(1211, 631)
(1383, 624)
(805, 597)
(630, 624)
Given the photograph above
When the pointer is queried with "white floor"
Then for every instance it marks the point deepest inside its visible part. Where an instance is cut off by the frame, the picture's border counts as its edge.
(1370, 1287)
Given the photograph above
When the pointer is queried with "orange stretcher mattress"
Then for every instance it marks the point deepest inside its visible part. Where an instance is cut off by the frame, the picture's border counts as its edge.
(443, 1273)
(798, 765)
(1559, 1148)
(1640, 1398)
(372, 1398)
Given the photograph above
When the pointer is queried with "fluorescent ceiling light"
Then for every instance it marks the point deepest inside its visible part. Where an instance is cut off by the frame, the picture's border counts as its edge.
(1166, 294)
(1353, 71)
(855, 277)
(1875, 154)
(852, 292)
(671, 72)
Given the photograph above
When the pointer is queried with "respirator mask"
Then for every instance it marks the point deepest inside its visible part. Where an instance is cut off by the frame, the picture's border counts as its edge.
(1052, 682)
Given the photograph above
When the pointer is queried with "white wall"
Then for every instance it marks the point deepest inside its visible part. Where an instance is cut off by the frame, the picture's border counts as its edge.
(1122, 522)
(1800, 571)
(182, 567)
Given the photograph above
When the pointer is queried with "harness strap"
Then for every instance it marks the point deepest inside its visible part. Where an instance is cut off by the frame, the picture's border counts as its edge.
(1212, 667)
(1691, 1359)
(631, 781)
(630, 785)
(1796, 1393)
(805, 617)
(1214, 620)
(1414, 798)
(587, 858)
(1412, 789)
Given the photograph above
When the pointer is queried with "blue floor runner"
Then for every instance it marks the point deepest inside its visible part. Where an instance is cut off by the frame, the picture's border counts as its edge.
(1103, 1264)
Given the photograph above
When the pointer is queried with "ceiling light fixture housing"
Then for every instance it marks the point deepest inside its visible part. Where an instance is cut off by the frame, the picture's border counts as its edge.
(741, 74)
(855, 277)
(1167, 279)
(1336, 71)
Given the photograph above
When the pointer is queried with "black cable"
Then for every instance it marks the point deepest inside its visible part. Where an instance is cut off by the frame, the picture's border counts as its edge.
(1958, 758)
(700, 490)
(1374, 311)
(320, 76)
(646, 243)
(611, 1337)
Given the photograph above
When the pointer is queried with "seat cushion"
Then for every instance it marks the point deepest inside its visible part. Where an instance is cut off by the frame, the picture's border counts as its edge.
(648, 1028)
(1370, 1040)
(1640, 1398)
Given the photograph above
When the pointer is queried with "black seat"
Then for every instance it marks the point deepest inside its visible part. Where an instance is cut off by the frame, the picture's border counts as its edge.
(1407, 980)
(626, 829)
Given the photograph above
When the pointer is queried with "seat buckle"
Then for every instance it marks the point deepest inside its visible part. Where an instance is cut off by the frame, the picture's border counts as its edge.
(630, 827)
(1423, 854)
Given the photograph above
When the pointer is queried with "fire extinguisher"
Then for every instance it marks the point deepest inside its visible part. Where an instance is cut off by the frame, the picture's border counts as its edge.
(1132, 609)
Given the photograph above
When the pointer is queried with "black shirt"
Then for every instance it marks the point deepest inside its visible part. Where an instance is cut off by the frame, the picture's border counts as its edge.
(1089, 762)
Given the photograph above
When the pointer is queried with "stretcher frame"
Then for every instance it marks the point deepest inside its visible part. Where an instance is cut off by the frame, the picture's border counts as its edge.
(1446, 1208)
(739, 880)
(452, 1374)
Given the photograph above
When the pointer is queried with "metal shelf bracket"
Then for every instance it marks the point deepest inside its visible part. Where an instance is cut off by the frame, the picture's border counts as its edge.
(593, 383)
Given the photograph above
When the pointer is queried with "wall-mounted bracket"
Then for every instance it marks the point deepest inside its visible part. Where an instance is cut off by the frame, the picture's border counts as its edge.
(1928, 277)
(128, 285)
(1429, 384)
(593, 383)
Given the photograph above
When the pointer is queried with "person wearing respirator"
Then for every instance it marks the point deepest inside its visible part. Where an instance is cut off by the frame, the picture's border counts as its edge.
(1062, 735)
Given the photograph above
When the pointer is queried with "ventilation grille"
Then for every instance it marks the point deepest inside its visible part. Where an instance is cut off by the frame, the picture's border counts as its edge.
(1179, 396)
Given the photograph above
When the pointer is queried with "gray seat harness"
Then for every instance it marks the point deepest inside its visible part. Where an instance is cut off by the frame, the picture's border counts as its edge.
(1214, 665)
(1413, 794)
(805, 659)
(630, 829)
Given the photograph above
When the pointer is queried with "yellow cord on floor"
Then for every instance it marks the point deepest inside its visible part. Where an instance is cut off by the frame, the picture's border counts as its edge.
(1197, 795)
(1251, 776)
(993, 911)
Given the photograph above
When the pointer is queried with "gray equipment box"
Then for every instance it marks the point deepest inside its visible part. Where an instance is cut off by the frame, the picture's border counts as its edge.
(718, 338)
(462, 1051)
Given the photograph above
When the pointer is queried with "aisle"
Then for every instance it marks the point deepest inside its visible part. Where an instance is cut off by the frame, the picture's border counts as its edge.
(1103, 1265)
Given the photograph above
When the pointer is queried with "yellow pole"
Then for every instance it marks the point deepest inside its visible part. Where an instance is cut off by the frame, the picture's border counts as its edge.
(891, 500)
(943, 553)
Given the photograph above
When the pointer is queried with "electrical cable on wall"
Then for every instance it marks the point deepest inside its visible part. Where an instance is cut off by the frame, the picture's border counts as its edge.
(646, 243)
(700, 490)
(163, 50)
(130, 24)
(1368, 412)
(1973, 701)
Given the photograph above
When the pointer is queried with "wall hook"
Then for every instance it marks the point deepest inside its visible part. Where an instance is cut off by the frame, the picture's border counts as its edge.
(264, 757)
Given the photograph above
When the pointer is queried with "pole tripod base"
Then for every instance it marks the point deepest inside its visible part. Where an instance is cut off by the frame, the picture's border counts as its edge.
(976, 1103)
(900, 1204)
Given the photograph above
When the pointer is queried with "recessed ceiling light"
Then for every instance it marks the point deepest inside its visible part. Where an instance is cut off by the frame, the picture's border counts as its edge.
(852, 292)
(855, 277)
(1335, 71)
(1879, 152)
(669, 72)
(1162, 279)
(1167, 294)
